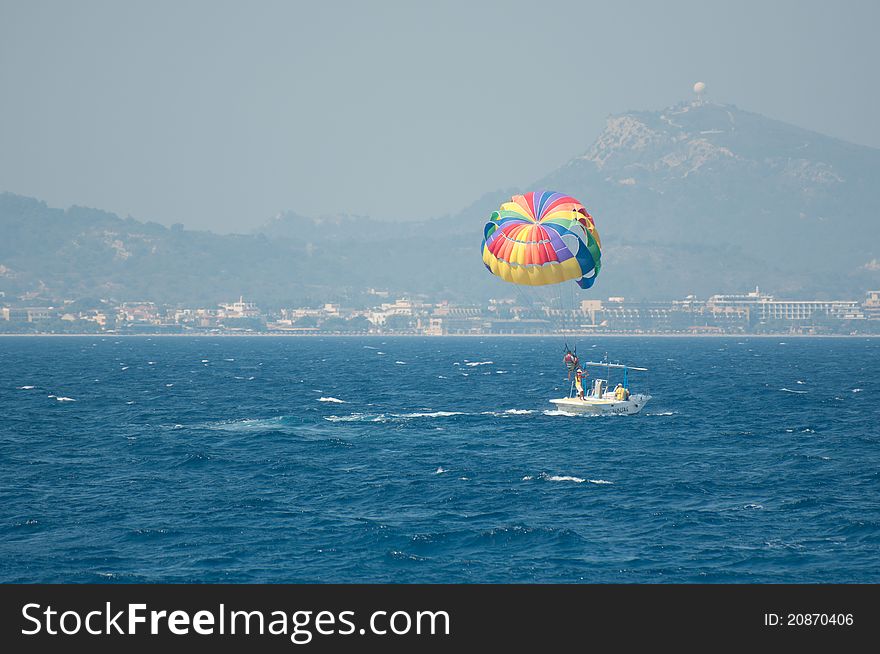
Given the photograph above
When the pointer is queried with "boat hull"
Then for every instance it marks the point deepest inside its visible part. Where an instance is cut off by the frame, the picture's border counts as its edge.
(633, 405)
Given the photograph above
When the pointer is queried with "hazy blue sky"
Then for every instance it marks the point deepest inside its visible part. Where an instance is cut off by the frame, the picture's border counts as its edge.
(219, 115)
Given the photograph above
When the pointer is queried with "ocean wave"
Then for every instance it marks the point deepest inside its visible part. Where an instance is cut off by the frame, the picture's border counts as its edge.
(570, 478)
(525, 534)
(334, 400)
(440, 471)
(147, 532)
(400, 363)
(243, 424)
(393, 417)
(357, 417)
(788, 390)
(474, 364)
(508, 412)
(63, 399)
(662, 413)
(30, 522)
(405, 556)
(857, 390)
(428, 414)
(26, 388)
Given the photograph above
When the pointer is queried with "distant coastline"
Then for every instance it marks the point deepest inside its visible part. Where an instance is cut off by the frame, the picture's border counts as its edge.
(432, 337)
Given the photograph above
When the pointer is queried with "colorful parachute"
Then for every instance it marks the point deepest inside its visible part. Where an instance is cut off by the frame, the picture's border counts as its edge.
(542, 238)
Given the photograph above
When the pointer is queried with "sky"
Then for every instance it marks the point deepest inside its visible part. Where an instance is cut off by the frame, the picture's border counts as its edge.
(219, 115)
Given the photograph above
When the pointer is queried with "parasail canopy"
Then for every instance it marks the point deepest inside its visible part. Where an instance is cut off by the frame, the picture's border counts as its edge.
(540, 238)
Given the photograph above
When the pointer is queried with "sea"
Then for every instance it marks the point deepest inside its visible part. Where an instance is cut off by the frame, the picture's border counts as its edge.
(436, 460)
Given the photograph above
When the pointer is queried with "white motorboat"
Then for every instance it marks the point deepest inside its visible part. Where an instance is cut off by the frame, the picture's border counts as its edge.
(599, 399)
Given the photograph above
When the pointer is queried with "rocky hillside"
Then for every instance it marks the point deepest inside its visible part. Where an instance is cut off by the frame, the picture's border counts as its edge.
(709, 196)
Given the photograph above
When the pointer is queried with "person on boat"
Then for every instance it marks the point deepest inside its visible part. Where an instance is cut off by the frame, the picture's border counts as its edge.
(619, 392)
(571, 362)
(579, 377)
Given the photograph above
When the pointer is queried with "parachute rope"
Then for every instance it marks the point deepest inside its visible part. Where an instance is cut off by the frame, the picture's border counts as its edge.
(542, 239)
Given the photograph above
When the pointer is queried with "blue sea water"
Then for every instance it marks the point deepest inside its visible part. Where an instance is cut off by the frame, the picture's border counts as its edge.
(435, 460)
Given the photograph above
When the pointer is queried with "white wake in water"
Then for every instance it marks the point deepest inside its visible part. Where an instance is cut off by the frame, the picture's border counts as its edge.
(393, 417)
(558, 412)
(427, 413)
(430, 414)
(334, 400)
(508, 412)
(359, 417)
(243, 424)
(569, 478)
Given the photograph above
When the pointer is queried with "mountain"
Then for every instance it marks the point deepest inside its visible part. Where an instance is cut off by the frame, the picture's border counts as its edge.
(697, 198)
(769, 203)
(50, 254)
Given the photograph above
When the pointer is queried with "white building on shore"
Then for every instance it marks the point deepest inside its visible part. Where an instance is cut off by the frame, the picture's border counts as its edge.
(763, 307)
